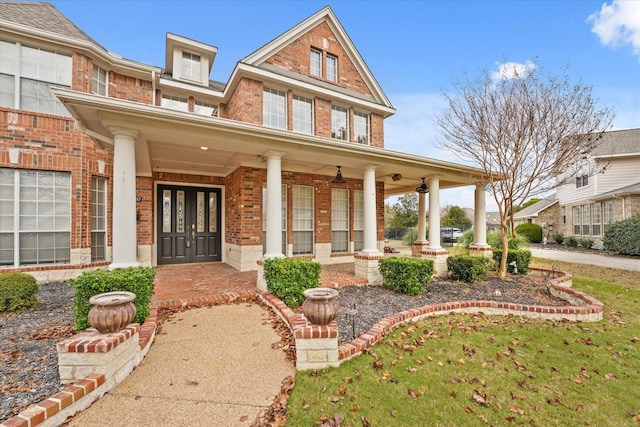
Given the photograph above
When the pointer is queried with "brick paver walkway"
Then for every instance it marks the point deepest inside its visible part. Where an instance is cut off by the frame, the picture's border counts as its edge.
(184, 285)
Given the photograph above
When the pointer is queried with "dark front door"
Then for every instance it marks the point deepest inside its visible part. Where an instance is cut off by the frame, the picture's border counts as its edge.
(188, 224)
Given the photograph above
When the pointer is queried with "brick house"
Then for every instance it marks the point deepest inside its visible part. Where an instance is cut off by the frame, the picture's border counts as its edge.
(108, 162)
(545, 213)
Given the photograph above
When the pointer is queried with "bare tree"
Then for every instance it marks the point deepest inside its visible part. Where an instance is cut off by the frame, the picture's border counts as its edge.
(524, 129)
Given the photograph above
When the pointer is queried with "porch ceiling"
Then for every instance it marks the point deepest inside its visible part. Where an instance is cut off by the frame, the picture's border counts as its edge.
(171, 141)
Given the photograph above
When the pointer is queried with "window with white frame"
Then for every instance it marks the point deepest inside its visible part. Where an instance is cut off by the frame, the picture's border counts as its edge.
(596, 217)
(302, 115)
(205, 109)
(190, 66)
(576, 220)
(274, 108)
(302, 219)
(339, 220)
(98, 218)
(284, 218)
(175, 103)
(586, 220)
(563, 211)
(99, 81)
(332, 68)
(582, 181)
(339, 123)
(35, 217)
(358, 220)
(26, 76)
(361, 128)
(315, 63)
(607, 214)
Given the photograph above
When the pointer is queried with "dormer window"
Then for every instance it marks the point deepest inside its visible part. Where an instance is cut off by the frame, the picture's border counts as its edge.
(190, 66)
(582, 181)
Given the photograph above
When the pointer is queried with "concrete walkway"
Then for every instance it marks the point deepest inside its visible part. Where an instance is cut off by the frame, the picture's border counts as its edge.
(611, 261)
(210, 366)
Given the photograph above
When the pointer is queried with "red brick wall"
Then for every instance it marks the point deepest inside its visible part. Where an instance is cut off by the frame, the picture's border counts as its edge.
(243, 206)
(322, 117)
(245, 104)
(296, 57)
(53, 143)
(376, 123)
(130, 88)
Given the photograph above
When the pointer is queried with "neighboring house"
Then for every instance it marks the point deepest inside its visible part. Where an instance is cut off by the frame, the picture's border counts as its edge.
(545, 213)
(588, 202)
(493, 221)
(124, 164)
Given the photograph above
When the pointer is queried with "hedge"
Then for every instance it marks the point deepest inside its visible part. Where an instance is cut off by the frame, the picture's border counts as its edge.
(522, 257)
(623, 236)
(406, 275)
(468, 268)
(288, 278)
(18, 291)
(533, 232)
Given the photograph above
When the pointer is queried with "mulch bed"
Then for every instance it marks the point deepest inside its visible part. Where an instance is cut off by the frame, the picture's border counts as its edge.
(28, 357)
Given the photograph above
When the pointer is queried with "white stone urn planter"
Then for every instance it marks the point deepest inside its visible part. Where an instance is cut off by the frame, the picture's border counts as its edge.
(112, 311)
(320, 306)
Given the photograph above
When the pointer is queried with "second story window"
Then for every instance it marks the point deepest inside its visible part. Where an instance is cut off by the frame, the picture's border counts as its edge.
(361, 128)
(302, 115)
(26, 76)
(205, 109)
(582, 181)
(274, 109)
(315, 63)
(99, 82)
(175, 103)
(339, 123)
(332, 68)
(190, 66)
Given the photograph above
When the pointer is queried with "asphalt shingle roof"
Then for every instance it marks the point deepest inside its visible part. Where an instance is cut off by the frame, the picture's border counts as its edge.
(618, 142)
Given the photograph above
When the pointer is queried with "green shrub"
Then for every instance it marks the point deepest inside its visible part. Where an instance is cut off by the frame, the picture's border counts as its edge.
(18, 291)
(288, 278)
(522, 257)
(623, 236)
(138, 280)
(466, 239)
(468, 268)
(558, 238)
(533, 232)
(495, 241)
(570, 241)
(585, 243)
(406, 275)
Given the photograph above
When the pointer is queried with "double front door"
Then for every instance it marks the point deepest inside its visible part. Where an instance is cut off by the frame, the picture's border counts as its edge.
(189, 224)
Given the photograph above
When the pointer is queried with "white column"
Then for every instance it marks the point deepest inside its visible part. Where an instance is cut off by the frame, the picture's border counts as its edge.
(434, 213)
(274, 205)
(124, 199)
(480, 216)
(370, 222)
(422, 218)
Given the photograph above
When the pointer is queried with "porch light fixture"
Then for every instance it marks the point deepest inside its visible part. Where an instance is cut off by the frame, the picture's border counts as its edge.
(203, 148)
(423, 187)
(339, 179)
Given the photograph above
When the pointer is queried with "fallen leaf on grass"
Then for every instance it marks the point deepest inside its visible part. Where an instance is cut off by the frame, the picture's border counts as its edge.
(610, 377)
(480, 398)
(517, 410)
(414, 393)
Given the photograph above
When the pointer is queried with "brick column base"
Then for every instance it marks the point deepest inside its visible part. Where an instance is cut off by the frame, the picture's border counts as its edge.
(439, 258)
(417, 247)
(367, 267)
(477, 250)
(261, 284)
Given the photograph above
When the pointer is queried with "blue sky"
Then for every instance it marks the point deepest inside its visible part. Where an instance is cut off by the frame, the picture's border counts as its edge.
(413, 48)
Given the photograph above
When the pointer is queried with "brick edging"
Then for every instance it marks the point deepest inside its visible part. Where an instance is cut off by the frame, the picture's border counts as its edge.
(81, 393)
(580, 308)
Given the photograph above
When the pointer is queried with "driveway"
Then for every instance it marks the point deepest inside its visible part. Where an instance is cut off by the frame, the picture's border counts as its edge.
(601, 260)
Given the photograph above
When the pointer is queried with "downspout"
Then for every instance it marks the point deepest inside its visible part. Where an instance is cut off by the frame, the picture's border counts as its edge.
(153, 87)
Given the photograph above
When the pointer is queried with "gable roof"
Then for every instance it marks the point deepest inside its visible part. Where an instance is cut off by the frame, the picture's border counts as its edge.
(260, 56)
(536, 208)
(44, 17)
(618, 142)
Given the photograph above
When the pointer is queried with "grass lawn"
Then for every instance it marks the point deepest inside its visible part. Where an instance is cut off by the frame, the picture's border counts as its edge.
(469, 370)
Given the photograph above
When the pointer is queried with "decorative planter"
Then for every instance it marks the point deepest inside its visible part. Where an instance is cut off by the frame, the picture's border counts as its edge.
(320, 306)
(111, 311)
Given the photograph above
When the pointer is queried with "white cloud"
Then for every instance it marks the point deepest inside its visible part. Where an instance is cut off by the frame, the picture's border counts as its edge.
(412, 129)
(618, 24)
(512, 70)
